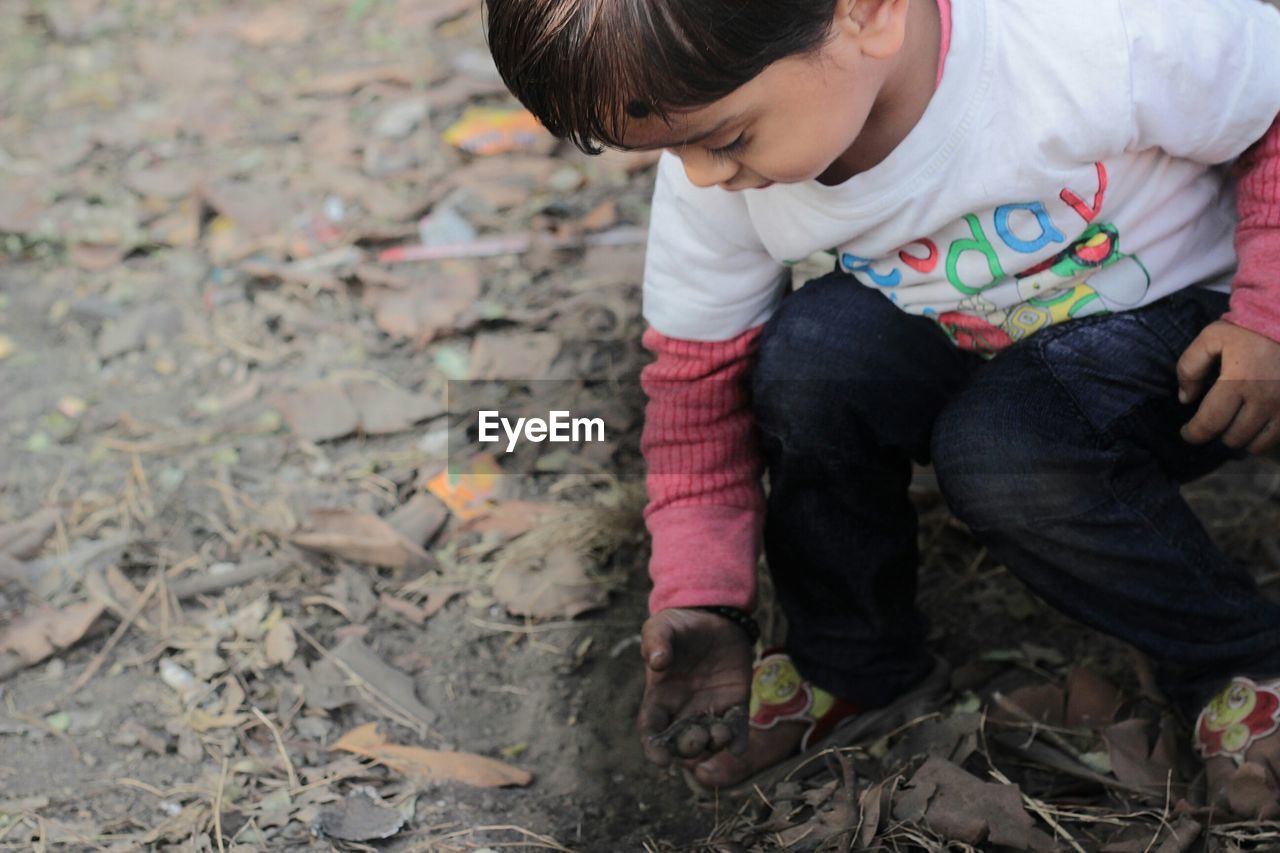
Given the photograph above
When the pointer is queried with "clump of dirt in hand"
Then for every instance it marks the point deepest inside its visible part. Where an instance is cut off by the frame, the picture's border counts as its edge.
(693, 735)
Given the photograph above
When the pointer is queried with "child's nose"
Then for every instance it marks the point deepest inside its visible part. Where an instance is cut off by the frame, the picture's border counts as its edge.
(704, 170)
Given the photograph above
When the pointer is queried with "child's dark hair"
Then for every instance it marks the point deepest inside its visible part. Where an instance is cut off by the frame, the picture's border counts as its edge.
(583, 66)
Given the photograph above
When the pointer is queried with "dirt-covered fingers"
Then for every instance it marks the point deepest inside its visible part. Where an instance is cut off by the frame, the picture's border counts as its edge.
(656, 748)
(1267, 439)
(653, 722)
(1215, 414)
(656, 639)
(697, 736)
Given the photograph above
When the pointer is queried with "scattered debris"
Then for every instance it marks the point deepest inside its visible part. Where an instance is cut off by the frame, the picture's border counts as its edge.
(423, 763)
(559, 586)
(467, 489)
(360, 816)
(960, 806)
(38, 633)
(487, 131)
(360, 537)
(332, 409)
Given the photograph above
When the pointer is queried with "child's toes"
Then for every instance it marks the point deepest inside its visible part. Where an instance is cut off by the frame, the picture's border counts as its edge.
(1246, 792)
(765, 748)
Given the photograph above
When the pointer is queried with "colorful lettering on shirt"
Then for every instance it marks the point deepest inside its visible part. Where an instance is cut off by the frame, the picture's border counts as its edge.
(1048, 233)
(1090, 275)
(928, 263)
(855, 264)
(1087, 213)
(979, 243)
(885, 273)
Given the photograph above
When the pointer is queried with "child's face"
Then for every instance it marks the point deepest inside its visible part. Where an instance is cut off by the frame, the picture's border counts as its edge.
(789, 124)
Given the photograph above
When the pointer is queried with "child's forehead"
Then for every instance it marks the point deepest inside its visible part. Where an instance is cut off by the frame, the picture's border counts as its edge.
(687, 127)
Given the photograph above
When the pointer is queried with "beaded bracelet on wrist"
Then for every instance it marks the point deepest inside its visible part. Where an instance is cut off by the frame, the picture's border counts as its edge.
(741, 618)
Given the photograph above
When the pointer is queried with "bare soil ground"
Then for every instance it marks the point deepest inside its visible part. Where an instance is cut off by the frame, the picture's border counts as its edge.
(223, 549)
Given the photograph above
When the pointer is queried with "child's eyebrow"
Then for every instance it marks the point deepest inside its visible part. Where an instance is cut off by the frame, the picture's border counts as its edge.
(691, 140)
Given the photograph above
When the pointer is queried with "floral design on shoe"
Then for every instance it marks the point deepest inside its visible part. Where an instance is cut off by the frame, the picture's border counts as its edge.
(1239, 715)
(779, 694)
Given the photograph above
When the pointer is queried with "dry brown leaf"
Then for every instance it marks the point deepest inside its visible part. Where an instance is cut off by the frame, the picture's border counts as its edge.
(185, 64)
(961, 807)
(329, 409)
(97, 257)
(602, 217)
(276, 24)
(22, 539)
(385, 409)
(360, 537)
(558, 587)
(347, 81)
(11, 569)
(459, 90)
(437, 598)
(422, 15)
(180, 227)
(115, 590)
(153, 322)
(420, 519)
(324, 685)
(1182, 834)
(360, 816)
(319, 412)
(1043, 703)
(37, 634)
(352, 592)
(510, 519)
(393, 687)
(202, 721)
(426, 309)
(258, 209)
(168, 179)
(22, 205)
(1250, 794)
(280, 643)
(468, 768)
(1091, 699)
(875, 804)
(407, 609)
(439, 593)
(1135, 761)
(526, 355)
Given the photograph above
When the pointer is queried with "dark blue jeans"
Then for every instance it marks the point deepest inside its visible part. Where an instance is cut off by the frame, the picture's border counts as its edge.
(1062, 454)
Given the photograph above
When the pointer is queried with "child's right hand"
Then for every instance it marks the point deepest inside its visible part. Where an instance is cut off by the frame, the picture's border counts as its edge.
(695, 662)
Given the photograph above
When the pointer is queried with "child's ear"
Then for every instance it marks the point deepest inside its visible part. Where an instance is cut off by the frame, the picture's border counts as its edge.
(880, 26)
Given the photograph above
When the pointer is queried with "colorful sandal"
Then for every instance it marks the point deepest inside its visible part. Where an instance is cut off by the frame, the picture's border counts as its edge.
(779, 694)
(1242, 713)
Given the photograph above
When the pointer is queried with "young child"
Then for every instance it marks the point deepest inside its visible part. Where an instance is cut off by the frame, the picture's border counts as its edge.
(1037, 290)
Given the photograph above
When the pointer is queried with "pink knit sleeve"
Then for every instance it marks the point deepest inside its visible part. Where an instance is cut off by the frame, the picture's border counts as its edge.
(706, 505)
(1255, 293)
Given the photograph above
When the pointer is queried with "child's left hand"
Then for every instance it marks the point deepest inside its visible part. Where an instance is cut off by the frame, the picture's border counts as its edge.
(1243, 404)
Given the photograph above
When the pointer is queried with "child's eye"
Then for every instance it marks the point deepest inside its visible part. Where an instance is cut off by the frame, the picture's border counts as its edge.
(724, 152)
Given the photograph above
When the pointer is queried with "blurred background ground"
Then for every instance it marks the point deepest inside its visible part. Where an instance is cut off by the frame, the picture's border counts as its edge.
(224, 547)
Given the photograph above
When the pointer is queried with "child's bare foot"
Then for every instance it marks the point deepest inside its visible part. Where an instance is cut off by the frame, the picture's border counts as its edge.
(1238, 734)
(765, 748)
(787, 714)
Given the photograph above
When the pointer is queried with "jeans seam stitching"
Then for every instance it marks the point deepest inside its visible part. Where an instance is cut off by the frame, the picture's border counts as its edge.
(1202, 571)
